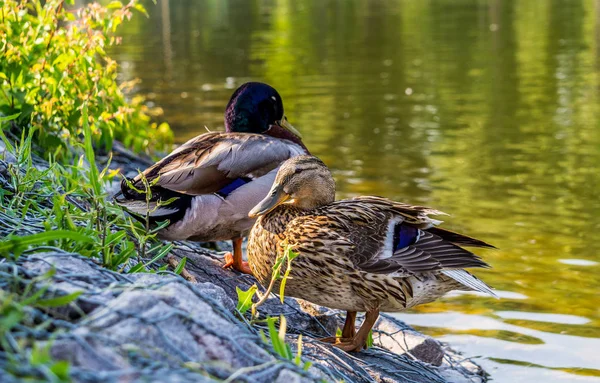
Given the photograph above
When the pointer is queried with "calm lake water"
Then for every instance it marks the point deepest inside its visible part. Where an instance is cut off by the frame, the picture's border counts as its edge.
(487, 110)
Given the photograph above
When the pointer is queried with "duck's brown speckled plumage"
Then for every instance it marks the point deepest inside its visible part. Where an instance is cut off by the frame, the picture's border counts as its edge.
(347, 258)
(340, 245)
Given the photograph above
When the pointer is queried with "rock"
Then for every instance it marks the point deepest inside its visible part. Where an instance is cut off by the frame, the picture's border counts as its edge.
(159, 327)
(397, 337)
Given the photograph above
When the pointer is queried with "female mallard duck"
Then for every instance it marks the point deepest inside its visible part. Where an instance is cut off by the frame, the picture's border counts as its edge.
(362, 254)
(218, 177)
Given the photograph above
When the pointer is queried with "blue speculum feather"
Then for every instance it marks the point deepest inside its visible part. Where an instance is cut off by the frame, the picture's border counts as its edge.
(236, 183)
(404, 235)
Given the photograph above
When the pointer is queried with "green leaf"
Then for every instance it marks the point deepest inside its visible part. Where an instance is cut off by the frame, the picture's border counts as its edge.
(59, 301)
(140, 8)
(13, 243)
(289, 255)
(132, 187)
(245, 298)
(163, 251)
(167, 202)
(61, 369)
(160, 226)
(282, 285)
(137, 268)
(89, 154)
(180, 266)
(298, 359)
(115, 5)
(287, 350)
(4, 119)
(40, 355)
(113, 238)
(370, 339)
(10, 319)
(274, 336)
(34, 297)
(7, 143)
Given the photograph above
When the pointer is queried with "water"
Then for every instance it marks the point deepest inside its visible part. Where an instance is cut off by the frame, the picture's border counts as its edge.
(487, 110)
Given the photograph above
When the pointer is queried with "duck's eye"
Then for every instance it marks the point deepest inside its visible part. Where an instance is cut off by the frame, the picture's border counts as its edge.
(273, 98)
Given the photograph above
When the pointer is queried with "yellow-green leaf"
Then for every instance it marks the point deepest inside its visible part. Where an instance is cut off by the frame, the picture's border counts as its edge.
(245, 298)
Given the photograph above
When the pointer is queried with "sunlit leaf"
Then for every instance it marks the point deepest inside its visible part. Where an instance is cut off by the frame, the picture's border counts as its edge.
(180, 266)
(245, 298)
(59, 301)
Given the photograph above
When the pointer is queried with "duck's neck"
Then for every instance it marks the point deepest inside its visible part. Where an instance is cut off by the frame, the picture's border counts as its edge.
(279, 132)
(276, 220)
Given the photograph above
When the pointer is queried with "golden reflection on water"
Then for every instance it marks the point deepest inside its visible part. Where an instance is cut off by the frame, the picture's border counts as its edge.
(487, 110)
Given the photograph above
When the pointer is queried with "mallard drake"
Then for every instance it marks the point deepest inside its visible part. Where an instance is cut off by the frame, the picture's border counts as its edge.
(218, 177)
(366, 254)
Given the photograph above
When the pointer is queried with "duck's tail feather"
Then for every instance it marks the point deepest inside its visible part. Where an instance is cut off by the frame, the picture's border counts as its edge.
(458, 239)
(469, 280)
(135, 203)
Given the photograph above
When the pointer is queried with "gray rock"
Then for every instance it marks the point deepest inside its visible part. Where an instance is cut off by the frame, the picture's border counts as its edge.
(397, 337)
(156, 327)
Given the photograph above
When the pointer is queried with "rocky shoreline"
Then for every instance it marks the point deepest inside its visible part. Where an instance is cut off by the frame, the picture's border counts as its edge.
(161, 327)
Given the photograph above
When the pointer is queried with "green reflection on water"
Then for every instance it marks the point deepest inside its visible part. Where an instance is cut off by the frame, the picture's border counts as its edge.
(487, 110)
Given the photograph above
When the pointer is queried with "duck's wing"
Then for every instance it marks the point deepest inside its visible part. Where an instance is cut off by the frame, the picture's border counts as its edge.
(211, 161)
(393, 238)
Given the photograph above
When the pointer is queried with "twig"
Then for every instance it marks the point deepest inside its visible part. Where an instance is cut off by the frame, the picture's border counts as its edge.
(245, 370)
(173, 262)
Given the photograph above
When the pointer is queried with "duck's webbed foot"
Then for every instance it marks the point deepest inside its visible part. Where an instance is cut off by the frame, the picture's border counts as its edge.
(359, 341)
(241, 266)
(347, 333)
(234, 260)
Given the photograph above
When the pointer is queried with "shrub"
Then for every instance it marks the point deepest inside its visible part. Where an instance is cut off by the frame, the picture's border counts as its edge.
(54, 62)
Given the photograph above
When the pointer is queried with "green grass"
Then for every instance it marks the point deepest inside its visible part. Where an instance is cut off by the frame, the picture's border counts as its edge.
(69, 209)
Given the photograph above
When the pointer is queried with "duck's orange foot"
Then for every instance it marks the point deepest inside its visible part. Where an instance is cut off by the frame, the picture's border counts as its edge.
(241, 266)
(333, 340)
(350, 345)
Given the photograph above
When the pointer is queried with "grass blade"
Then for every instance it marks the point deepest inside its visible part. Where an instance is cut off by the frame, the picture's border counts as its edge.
(89, 154)
(13, 243)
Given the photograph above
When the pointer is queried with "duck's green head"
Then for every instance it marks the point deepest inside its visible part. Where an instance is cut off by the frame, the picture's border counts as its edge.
(256, 107)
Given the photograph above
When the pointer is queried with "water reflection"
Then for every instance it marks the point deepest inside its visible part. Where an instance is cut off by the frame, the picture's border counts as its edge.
(484, 109)
(477, 334)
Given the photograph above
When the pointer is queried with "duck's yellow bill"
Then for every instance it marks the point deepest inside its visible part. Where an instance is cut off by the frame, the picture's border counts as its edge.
(286, 125)
(275, 198)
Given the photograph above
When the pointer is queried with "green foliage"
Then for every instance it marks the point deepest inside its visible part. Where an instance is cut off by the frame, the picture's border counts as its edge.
(59, 301)
(16, 244)
(180, 266)
(288, 256)
(277, 338)
(245, 298)
(15, 312)
(54, 63)
(40, 357)
(69, 204)
(146, 234)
